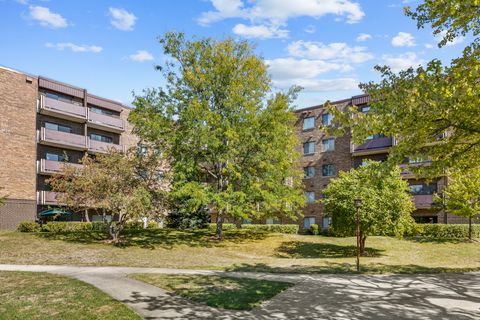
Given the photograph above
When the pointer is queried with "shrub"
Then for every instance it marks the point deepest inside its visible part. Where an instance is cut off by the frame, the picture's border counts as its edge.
(226, 226)
(273, 228)
(28, 226)
(446, 231)
(313, 229)
(180, 218)
(134, 225)
(152, 225)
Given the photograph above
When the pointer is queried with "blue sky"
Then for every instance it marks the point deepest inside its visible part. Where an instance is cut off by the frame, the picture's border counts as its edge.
(110, 47)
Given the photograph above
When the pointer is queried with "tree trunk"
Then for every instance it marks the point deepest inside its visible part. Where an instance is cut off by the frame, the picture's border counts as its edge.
(362, 243)
(219, 231)
(470, 228)
(87, 218)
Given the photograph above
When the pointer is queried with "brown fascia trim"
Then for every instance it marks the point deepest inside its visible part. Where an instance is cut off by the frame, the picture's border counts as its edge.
(333, 102)
(62, 87)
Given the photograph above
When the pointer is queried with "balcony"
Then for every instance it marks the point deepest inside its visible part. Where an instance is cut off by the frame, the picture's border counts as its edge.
(373, 146)
(53, 167)
(105, 122)
(61, 109)
(62, 139)
(95, 146)
(423, 201)
(47, 197)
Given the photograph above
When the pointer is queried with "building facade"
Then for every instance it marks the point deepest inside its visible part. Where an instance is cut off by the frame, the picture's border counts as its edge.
(44, 125)
(323, 157)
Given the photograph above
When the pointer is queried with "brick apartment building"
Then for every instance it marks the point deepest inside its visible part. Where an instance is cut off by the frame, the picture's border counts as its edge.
(43, 125)
(324, 156)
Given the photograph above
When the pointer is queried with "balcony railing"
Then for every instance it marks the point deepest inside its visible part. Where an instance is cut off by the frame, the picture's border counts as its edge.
(61, 109)
(373, 146)
(423, 201)
(105, 122)
(63, 139)
(103, 147)
(51, 167)
(47, 197)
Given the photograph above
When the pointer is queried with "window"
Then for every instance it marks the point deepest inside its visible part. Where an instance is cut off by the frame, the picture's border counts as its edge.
(309, 147)
(101, 111)
(376, 136)
(247, 221)
(58, 127)
(327, 119)
(99, 137)
(307, 222)
(308, 172)
(272, 221)
(142, 149)
(328, 144)
(420, 159)
(365, 109)
(308, 123)
(55, 157)
(364, 162)
(63, 98)
(310, 195)
(328, 170)
(326, 221)
(423, 188)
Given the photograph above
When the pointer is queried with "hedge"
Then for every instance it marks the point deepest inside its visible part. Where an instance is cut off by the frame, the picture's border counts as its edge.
(225, 226)
(272, 228)
(68, 226)
(446, 231)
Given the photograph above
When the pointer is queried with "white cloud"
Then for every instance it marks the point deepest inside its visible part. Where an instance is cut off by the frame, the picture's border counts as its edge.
(453, 42)
(289, 68)
(363, 37)
(279, 11)
(74, 47)
(310, 29)
(122, 19)
(403, 39)
(402, 61)
(141, 56)
(337, 51)
(47, 18)
(319, 85)
(428, 45)
(260, 31)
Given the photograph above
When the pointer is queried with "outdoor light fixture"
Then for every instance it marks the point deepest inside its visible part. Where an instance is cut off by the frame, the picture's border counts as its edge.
(358, 204)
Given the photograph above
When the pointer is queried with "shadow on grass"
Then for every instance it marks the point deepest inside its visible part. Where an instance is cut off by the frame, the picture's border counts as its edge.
(161, 238)
(335, 268)
(298, 249)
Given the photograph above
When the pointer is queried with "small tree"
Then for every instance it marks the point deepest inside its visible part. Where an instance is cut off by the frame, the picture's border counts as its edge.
(113, 182)
(462, 195)
(386, 202)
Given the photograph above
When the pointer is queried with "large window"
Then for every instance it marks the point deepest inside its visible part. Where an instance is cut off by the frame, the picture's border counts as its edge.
(376, 136)
(310, 195)
(308, 123)
(63, 98)
(365, 109)
(102, 138)
(327, 119)
(58, 127)
(309, 147)
(102, 111)
(328, 170)
(307, 222)
(54, 157)
(308, 172)
(423, 188)
(328, 144)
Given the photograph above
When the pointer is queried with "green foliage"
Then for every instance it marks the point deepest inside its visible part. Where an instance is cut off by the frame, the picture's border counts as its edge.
(186, 213)
(272, 228)
(226, 226)
(386, 203)
(313, 229)
(28, 226)
(446, 231)
(229, 140)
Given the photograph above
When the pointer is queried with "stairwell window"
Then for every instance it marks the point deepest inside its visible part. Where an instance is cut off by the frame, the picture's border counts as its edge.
(308, 123)
(308, 172)
(328, 144)
(310, 195)
(327, 119)
(328, 170)
(309, 147)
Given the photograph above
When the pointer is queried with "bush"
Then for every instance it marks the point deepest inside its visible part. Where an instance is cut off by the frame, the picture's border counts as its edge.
(313, 229)
(28, 226)
(180, 218)
(273, 228)
(225, 227)
(446, 231)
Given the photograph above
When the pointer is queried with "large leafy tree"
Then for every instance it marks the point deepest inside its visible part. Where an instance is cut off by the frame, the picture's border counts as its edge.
(433, 110)
(230, 141)
(386, 203)
(126, 186)
(462, 195)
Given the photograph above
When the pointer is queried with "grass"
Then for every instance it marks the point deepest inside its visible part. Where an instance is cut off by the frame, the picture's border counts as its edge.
(28, 295)
(243, 251)
(215, 291)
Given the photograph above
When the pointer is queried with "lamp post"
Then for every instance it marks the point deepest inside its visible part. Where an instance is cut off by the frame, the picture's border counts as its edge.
(358, 203)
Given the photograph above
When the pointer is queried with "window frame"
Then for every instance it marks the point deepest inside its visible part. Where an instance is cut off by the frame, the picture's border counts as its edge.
(331, 165)
(323, 145)
(329, 118)
(305, 169)
(309, 143)
(313, 124)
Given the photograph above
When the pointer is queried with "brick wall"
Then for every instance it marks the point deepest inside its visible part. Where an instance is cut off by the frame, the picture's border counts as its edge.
(16, 210)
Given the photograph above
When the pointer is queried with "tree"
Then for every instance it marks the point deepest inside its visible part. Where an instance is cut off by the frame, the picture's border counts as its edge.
(432, 110)
(120, 184)
(386, 203)
(462, 195)
(230, 142)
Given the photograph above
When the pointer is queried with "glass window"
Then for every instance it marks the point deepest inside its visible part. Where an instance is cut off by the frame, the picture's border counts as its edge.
(57, 127)
(309, 147)
(365, 109)
(54, 157)
(423, 188)
(327, 119)
(309, 172)
(376, 136)
(272, 221)
(328, 170)
(63, 98)
(308, 123)
(307, 222)
(142, 149)
(99, 137)
(326, 221)
(101, 111)
(247, 221)
(328, 144)
(310, 196)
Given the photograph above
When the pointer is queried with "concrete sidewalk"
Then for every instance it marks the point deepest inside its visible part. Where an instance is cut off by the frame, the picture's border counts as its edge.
(437, 296)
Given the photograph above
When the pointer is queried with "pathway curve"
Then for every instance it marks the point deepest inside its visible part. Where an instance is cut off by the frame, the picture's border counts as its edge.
(435, 296)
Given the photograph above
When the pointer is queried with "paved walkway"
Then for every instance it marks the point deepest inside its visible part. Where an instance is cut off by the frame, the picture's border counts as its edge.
(440, 296)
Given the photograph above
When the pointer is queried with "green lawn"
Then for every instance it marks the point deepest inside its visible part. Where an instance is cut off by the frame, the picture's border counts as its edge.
(28, 295)
(239, 251)
(215, 291)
